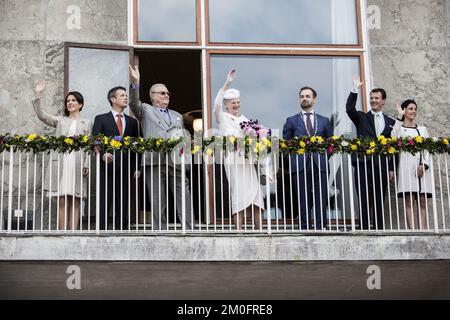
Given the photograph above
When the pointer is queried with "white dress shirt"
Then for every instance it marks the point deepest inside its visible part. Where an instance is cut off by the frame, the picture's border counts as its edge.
(381, 123)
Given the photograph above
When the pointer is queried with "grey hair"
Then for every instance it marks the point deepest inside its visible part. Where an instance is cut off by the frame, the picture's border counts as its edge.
(152, 89)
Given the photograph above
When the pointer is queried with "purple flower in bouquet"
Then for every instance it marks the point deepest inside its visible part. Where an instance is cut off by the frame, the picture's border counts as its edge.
(254, 129)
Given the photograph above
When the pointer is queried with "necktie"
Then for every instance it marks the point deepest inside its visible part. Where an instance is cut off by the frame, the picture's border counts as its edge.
(166, 116)
(119, 124)
(377, 124)
(309, 126)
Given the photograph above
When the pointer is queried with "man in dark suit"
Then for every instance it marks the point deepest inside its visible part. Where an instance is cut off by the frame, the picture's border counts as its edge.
(304, 171)
(368, 170)
(114, 169)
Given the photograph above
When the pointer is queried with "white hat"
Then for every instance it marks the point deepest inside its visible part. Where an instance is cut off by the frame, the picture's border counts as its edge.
(231, 94)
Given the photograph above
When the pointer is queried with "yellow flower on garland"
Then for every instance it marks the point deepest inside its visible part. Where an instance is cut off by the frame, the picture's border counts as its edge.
(115, 144)
(303, 144)
(258, 147)
(68, 141)
(43, 138)
(370, 151)
(383, 141)
(419, 139)
(391, 150)
(159, 142)
(334, 137)
(105, 140)
(283, 145)
(31, 137)
(85, 139)
(209, 151)
(353, 147)
(267, 142)
(232, 139)
(301, 151)
(393, 139)
(372, 144)
(320, 139)
(313, 139)
(195, 149)
(445, 141)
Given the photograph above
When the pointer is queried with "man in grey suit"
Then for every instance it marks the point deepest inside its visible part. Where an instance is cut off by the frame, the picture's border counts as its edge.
(160, 122)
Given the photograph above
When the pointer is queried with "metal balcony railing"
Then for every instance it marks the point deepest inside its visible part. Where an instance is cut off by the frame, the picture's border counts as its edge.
(222, 186)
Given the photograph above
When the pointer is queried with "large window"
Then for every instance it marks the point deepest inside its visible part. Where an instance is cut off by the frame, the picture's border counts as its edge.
(269, 85)
(167, 21)
(281, 22)
(276, 47)
(93, 70)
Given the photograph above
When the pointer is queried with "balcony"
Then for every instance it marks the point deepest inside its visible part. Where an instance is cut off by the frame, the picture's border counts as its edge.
(199, 192)
(35, 227)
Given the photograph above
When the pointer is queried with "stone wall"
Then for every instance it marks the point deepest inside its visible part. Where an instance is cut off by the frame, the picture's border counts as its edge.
(410, 53)
(410, 57)
(32, 36)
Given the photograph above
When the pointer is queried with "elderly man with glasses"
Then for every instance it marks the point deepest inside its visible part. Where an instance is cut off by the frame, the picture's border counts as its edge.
(160, 122)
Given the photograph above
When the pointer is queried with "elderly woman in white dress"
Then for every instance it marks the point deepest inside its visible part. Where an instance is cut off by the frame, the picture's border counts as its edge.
(66, 184)
(414, 178)
(242, 175)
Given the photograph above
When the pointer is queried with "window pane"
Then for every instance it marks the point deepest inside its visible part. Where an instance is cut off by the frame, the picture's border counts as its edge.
(287, 21)
(87, 70)
(171, 21)
(269, 86)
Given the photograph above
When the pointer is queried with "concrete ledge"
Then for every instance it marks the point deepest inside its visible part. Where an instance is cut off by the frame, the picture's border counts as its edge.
(226, 247)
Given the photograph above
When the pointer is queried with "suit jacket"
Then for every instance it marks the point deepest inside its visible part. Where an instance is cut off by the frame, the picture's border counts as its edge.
(295, 127)
(106, 124)
(154, 124)
(365, 125)
(62, 125)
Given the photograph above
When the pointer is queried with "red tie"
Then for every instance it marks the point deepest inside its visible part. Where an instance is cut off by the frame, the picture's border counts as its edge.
(119, 124)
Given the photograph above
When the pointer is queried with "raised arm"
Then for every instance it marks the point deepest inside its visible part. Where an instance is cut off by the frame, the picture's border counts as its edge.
(351, 101)
(398, 123)
(45, 117)
(219, 98)
(135, 102)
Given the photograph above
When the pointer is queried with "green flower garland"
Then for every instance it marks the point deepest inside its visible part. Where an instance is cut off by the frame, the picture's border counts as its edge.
(253, 147)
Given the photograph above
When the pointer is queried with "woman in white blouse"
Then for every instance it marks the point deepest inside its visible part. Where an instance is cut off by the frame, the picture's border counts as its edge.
(246, 193)
(66, 184)
(414, 176)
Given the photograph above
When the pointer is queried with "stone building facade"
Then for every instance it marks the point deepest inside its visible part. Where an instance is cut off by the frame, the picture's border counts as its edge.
(409, 53)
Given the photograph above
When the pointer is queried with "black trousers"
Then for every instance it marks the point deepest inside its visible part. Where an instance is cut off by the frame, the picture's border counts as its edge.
(371, 187)
(312, 197)
(114, 195)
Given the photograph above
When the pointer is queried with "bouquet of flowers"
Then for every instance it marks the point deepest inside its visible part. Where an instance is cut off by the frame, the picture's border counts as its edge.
(254, 129)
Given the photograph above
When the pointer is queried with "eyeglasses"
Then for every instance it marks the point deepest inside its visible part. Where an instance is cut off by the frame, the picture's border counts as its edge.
(164, 93)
